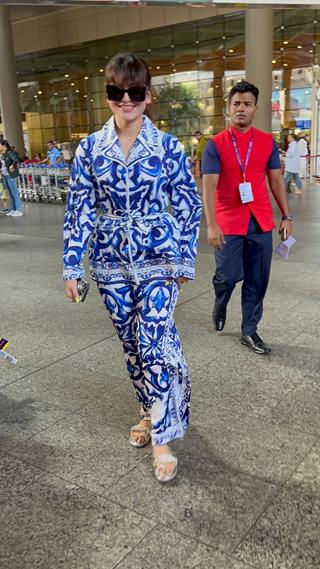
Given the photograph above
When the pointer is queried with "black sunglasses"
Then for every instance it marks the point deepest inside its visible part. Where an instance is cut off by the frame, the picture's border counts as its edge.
(135, 93)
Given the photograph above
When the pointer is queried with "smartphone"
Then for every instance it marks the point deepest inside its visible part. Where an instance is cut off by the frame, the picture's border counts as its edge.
(82, 288)
(284, 234)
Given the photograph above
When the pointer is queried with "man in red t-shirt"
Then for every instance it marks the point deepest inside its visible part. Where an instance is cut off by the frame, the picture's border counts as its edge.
(239, 213)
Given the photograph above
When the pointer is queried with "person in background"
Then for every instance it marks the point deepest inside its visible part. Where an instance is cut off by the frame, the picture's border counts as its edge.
(10, 172)
(292, 165)
(4, 195)
(239, 212)
(67, 156)
(54, 155)
(303, 153)
(199, 149)
(17, 154)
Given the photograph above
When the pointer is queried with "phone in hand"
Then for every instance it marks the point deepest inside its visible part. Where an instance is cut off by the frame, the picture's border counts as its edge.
(82, 288)
(284, 234)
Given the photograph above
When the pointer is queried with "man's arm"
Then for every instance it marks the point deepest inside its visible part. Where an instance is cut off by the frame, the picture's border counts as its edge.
(279, 193)
(209, 185)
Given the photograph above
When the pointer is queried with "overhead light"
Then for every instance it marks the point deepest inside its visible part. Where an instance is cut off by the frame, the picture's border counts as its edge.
(55, 94)
(92, 100)
(35, 96)
(77, 90)
(197, 41)
(149, 49)
(310, 51)
(66, 75)
(282, 27)
(231, 50)
(285, 65)
(158, 67)
(285, 42)
(22, 90)
(174, 70)
(299, 46)
(172, 45)
(72, 84)
(85, 96)
(86, 77)
(39, 92)
(101, 70)
(274, 61)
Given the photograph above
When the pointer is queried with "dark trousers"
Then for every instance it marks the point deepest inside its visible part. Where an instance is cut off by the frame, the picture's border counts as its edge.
(244, 258)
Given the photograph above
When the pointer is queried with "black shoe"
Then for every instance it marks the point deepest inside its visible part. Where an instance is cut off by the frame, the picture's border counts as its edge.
(219, 318)
(255, 344)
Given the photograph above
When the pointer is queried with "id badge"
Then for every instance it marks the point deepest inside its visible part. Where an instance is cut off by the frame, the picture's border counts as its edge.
(246, 194)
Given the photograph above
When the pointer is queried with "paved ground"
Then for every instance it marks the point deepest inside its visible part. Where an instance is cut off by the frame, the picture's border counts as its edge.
(75, 495)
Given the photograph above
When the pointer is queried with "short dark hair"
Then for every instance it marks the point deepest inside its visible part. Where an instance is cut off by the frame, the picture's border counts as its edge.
(128, 69)
(5, 143)
(197, 132)
(244, 87)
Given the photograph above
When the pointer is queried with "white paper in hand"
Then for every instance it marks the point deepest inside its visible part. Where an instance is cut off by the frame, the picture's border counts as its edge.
(283, 249)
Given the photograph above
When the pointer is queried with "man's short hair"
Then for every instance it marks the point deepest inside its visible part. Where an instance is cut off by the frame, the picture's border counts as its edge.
(244, 87)
(52, 142)
(197, 132)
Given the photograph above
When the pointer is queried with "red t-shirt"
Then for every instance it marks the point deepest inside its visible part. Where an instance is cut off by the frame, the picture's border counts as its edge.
(220, 157)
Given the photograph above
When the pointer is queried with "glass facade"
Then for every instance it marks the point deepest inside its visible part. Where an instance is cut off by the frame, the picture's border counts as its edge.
(193, 67)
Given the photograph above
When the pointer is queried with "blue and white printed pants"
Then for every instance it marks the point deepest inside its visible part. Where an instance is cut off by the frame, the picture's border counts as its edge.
(143, 317)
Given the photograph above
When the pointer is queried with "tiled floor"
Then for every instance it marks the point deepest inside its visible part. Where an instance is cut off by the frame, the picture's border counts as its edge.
(75, 495)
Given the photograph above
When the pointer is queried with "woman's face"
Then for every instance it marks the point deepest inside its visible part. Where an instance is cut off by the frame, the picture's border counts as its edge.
(2, 148)
(127, 111)
(290, 138)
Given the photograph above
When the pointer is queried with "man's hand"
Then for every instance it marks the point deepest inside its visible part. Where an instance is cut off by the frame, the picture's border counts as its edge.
(215, 237)
(287, 225)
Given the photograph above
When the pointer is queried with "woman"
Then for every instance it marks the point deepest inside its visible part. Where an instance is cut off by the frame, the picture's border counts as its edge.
(292, 165)
(10, 172)
(139, 253)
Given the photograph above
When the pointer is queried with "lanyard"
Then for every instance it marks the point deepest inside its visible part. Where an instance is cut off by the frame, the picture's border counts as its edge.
(243, 167)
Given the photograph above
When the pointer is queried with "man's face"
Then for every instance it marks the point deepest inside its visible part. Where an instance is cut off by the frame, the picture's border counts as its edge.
(50, 145)
(242, 109)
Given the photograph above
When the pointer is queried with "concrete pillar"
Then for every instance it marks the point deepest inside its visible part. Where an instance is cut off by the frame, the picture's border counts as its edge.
(259, 55)
(9, 96)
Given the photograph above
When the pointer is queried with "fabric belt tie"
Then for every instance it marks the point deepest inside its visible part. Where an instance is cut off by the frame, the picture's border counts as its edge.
(127, 220)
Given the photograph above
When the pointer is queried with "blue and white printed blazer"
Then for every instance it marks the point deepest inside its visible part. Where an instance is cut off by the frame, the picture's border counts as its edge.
(118, 208)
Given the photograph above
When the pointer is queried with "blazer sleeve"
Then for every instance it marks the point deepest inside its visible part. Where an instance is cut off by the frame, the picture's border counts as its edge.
(186, 204)
(80, 215)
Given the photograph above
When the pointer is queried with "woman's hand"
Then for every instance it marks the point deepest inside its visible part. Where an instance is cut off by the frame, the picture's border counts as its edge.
(71, 290)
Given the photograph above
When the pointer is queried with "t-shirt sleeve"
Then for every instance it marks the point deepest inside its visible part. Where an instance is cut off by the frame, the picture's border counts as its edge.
(210, 162)
(274, 159)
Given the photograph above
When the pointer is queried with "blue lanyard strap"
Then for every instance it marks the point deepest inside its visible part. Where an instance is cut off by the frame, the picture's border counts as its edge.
(244, 166)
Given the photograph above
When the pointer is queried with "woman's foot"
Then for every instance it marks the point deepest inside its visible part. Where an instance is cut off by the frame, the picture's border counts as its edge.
(164, 463)
(140, 434)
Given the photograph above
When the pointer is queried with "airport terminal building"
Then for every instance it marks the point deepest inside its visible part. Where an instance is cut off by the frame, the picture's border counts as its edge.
(195, 55)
